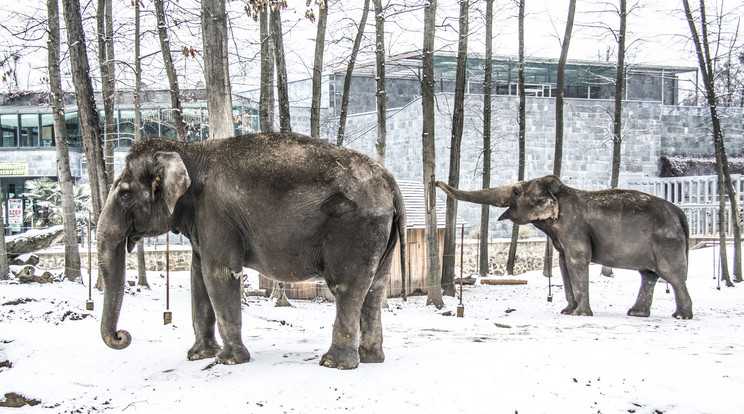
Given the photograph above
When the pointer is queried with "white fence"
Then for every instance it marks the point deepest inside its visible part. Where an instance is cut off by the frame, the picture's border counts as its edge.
(697, 197)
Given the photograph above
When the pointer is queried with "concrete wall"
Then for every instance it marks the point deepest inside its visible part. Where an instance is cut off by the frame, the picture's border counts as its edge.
(651, 130)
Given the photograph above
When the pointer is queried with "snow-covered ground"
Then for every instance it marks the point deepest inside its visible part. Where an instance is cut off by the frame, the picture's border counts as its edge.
(512, 352)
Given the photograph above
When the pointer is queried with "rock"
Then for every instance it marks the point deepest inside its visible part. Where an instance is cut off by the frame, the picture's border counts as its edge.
(14, 400)
(46, 277)
(26, 259)
(24, 274)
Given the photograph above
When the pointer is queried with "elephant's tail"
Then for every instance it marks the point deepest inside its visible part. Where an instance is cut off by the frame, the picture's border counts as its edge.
(399, 220)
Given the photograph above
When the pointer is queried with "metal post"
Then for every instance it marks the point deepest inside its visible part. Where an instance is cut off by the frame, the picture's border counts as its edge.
(461, 307)
(89, 303)
(167, 315)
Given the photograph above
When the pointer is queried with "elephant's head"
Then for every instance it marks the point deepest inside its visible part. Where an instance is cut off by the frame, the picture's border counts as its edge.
(527, 200)
(139, 204)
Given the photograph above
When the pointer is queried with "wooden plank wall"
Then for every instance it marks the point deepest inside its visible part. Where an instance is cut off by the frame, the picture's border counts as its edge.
(415, 278)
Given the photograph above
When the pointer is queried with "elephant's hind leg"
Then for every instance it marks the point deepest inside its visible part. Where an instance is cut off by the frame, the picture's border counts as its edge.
(370, 347)
(202, 315)
(642, 306)
(673, 269)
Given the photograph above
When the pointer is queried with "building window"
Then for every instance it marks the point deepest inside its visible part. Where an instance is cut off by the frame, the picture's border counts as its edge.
(47, 130)
(29, 130)
(9, 124)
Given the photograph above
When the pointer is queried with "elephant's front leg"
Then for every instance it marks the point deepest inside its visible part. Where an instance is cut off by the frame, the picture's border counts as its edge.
(224, 291)
(567, 287)
(202, 315)
(578, 272)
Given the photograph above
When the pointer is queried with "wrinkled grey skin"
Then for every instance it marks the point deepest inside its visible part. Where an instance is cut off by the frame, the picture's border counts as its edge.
(624, 229)
(291, 207)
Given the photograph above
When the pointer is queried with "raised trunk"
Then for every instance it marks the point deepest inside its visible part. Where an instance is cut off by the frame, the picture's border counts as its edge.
(111, 267)
(497, 196)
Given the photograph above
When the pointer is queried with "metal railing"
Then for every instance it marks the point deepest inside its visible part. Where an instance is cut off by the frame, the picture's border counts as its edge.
(697, 197)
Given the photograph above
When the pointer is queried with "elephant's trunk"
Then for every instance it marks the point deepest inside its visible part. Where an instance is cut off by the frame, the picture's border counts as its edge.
(497, 196)
(111, 243)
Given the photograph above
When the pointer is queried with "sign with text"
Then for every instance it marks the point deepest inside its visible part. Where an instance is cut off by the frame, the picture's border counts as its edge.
(15, 213)
(11, 169)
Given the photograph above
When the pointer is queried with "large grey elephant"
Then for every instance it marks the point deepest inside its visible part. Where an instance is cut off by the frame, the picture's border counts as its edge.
(291, 207)
(624, 229)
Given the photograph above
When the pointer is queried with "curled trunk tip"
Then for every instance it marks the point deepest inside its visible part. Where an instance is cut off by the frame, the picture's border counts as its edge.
(119, 340)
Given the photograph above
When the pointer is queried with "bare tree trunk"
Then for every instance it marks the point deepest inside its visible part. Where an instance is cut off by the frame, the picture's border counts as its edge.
(617, 121)
(706, 68)
(560, 86)
(349, 73)
(266, 98)
(380, 94)
(141, 267)
(104, 20)
(433, 278)
(450, 230)
(487, 80)
(318, 71)
(72, 254)
(512, 257)
(170, 70)
(86, 103)
(216, 73)
(281, 70)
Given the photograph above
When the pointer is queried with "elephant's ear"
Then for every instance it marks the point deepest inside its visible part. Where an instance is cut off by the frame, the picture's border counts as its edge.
(544, 208)
(171, 178)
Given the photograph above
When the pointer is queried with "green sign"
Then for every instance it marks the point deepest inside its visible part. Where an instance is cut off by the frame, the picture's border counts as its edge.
(13, 169)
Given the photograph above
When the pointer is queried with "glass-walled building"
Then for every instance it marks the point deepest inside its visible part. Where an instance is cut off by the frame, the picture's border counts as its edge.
(27, 145)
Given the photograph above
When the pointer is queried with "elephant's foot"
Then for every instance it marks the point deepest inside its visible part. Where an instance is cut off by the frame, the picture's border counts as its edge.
(582, 312)
(686, 314)
(371, 354)
(341, 358)
(203, 350)
(568, 310)
(233, 355)
(640, 312)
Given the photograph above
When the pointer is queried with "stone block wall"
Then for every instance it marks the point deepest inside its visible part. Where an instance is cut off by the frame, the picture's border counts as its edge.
(530, 256)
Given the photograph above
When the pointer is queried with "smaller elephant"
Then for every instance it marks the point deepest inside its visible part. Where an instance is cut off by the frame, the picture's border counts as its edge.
(624, 229)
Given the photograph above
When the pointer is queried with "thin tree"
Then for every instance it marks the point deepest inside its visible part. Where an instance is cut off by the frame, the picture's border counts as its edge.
(380, 93)
(349, 72)
(487, 81)
(560, 86)
(87, 112)
(72, 255)
(105, 25)
(141, 265)
(521, 121)
(266, 97)
(318, 70)
(702, 49)
(458, 119)
(170, 70)
(282, 88)
(433, 278)
(216, 69)
(617, 118)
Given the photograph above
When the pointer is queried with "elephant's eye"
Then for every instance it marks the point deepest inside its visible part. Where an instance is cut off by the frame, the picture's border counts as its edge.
(515, 192)
(125, 196)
